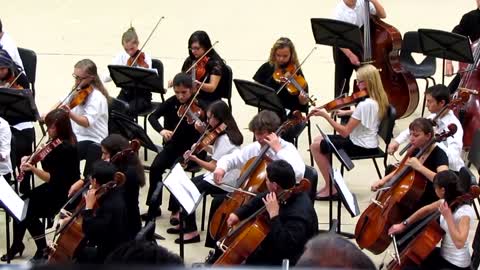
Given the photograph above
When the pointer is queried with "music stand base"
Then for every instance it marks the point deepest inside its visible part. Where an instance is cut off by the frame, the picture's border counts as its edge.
(157, 236)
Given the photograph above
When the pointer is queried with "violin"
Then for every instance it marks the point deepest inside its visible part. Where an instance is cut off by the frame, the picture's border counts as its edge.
(295, 82)
(192, 112)
(138, 59)
(201, 68)
(79, 95)
(252, 179)
(424, 243)
(205, 140)
(397, 200)
(343, 102)
(39, 155)
(11, 82)
(244, 239)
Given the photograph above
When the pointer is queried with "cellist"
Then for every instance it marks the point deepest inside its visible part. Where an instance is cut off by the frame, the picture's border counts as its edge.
(421, 132)
(59, 170)
(292, 222)
(456, 222)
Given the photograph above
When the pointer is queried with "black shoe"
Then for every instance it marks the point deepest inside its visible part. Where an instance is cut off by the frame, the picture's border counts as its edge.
(13, 252)
(173, 231)
(334, 197)
(212, 257)
(174, 221)
(158, 213)
(195, 239)
(40, 257)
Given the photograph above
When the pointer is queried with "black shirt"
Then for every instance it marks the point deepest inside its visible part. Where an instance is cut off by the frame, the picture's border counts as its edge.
(214, 66)
(295, 224)
(469, 25)
(264, 75)
(437, 158)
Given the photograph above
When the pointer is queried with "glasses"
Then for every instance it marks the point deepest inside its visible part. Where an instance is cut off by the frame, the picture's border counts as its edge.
(76, 77)
(195, 48)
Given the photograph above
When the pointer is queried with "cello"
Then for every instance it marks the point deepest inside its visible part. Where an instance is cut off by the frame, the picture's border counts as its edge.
(425, 242)
(252, 179)
(469, 114)
(382, 44)
(397, 201)
(244, 239)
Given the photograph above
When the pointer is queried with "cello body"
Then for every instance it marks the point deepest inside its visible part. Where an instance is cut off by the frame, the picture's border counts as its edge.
(399, 84)
(67, 243)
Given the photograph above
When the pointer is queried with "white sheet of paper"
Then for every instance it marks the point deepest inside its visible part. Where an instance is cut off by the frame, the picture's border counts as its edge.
(10, 199)
(182, 188)
(345, 191)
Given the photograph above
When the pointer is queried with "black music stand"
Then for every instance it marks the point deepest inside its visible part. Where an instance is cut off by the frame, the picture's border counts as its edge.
(148, 231)
(445, 45)
(131, 130)
(17, 106)
(347, 163)
(136, 78)
(337, 34)
(259, 95)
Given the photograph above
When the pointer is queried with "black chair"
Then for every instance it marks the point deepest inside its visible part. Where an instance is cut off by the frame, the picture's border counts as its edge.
(227, 84)
(312, 175)
(29, 59)
(474, 153)
(425, 69)
(467, 179)
(385, 131)
(158, 65)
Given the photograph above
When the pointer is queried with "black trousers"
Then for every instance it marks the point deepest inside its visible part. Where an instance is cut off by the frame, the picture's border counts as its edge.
(88, 153)
(343, 72)
(136, 103)
(23, 147)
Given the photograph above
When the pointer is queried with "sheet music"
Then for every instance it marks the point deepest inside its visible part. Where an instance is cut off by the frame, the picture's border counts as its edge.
(182, 188)
(11, 200)
(349, 197)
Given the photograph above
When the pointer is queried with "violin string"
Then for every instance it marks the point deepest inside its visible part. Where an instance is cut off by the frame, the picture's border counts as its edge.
(201, 57)
(146, 41)
(296, 70)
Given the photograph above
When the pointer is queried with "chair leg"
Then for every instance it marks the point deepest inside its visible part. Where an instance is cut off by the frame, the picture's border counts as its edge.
(145, 150)
(376, 168)
(309, 133)
(424, 97)
(475, 208)
(204, 206)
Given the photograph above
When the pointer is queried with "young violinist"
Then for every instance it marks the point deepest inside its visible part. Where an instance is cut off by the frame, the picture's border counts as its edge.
(292, 222)
(351, 11)
(227, 142)
(455, 221)
(8, 44)
(211, 67)
(437, 97)
(117, 147)
(468, 26)
(174, 143)
(138, 99)
(359, 135)
(432, 162)
(90, 117)
(59, 170)
(11, 76)
(103, 217)
(283, 56)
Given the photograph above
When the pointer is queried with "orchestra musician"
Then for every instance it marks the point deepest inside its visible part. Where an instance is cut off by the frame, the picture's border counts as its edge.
(226, 143)
(5, 148)
(359, 135)
(138, 99)
(8, 44)
(59, 170)
(212, 67)
(104, 217)
(437, 97)
(90, 117)
(292, 222)
(175, 144)
(456, 222)
(350, 11)
(421, 132)
(132, 167)
(282, 56)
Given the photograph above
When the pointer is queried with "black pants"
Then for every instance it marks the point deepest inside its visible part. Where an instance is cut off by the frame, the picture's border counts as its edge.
(43, 202)
(23, 147)
(88, 153)
(343, 72)
(138, 100)
(435, 261)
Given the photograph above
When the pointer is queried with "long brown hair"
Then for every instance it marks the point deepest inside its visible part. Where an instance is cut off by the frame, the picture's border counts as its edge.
(61, 121)
(370, 75)
(90, 69)
(223, 114)
(281, 43)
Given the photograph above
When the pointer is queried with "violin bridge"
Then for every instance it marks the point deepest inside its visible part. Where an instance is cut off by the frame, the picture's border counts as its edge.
(222, 246)
(379, 204)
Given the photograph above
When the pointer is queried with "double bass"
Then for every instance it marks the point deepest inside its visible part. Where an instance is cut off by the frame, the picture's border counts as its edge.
(252, 179)
(382, 44)
(395, 203)
(469, 114)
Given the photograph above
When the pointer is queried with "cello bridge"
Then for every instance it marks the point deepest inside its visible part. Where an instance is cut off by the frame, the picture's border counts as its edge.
(379, 204)
(221, 245)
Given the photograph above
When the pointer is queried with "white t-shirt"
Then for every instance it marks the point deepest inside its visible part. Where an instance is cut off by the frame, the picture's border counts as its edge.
(96, 111)
(223, 146)
(459, 257)
(7, 43)
(355, 16)
(5, 141)
(122, 59)
(365, 134)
